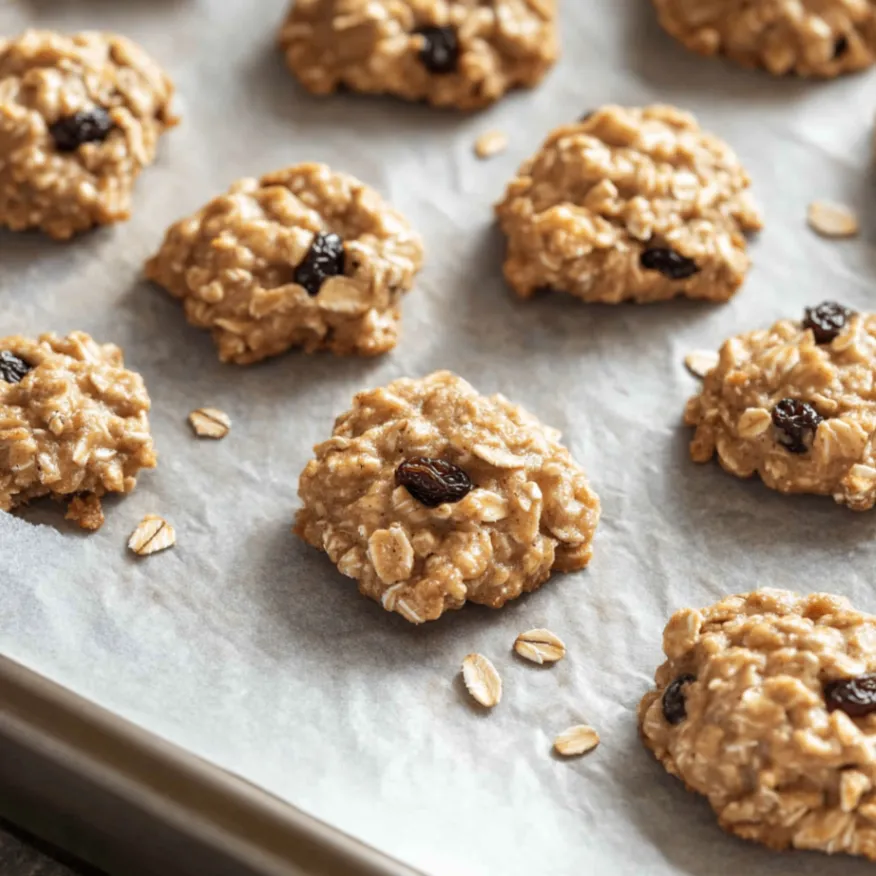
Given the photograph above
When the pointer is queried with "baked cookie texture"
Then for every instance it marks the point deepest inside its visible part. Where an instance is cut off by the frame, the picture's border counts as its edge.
(820, 38)
(629, 204)
(80, 117)
(304, 257)
(451, 53)
(795, 404)
(509, 507)
(73, 423)
(766, 705)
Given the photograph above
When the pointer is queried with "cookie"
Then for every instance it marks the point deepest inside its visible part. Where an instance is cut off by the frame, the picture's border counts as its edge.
(766, 705)
(629, 204)
(73, 423)
(431, 495)
(822, 38)
(304, 257)
(796, 405)
(451, 53)
(80, 117)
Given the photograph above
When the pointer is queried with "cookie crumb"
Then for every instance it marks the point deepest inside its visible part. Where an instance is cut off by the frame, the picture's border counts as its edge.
(482, 680)
(832, 220)
(540, 646)
(86, 511)
(210, 423)
(490, 144)
(576, 741)
(152, 534)
(701, 362)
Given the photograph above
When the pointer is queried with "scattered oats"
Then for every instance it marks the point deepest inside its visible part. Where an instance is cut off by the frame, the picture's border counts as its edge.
(482, 680)
(701, 362)
(152, 534)
(576, 740)
(540, 646)
(832, 220)
(86, 511)
(210, 422)
(491, 143)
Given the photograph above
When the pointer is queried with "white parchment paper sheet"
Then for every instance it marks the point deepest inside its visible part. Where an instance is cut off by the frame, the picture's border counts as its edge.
(246, 646)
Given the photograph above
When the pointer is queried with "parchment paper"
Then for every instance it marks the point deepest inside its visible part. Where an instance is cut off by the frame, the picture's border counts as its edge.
(246, 646)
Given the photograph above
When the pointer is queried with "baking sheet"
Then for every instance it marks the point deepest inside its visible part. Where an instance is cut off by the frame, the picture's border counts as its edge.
(245, 646)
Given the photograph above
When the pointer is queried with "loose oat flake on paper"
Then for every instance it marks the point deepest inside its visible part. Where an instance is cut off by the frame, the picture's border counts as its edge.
(832, 220)
(210, 423)
(576, 740)
(482, 680)
(152, 534)
(540, 646)
(491, 143)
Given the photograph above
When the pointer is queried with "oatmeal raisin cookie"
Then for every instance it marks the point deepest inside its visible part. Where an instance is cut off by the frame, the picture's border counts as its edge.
(766, 705)
(80, 117)
(459, 53)
(629, 204)
(73, 423)
(304, 257)
(823, 38)
(795, 404)
(431, 495)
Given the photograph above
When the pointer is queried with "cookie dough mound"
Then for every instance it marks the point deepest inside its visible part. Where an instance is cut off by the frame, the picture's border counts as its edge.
(766, 705)
(73, 423)
(795, 404)
(823, 38)
(429, 495)
(629, 204)
(303, 257)
(80, 117)
(458, 53)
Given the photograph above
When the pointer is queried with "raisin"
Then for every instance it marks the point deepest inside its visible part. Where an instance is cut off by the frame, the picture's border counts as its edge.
(433, 481)
(12, 369)
(840, 47)
(827, 320)
(796, 420)
(440, 52)
(670, 263)
(324, 259)
(854, 696)
(87, 126)
(674, 709)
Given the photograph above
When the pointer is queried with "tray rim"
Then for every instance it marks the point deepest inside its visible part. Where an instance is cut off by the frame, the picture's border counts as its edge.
(245, 823)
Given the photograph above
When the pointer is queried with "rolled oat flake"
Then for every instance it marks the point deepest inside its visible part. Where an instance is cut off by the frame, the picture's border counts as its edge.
(832, 220)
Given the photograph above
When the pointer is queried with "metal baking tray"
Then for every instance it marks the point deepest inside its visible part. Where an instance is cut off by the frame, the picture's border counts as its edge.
(132, 804)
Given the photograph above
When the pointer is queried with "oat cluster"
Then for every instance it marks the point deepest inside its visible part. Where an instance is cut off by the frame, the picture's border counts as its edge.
(629, 204)
(453, 53)
(755, 371)
(75, 424)
(531, 510)
(756, 737)
(822, 38)
(46, 79)
(234, 265)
